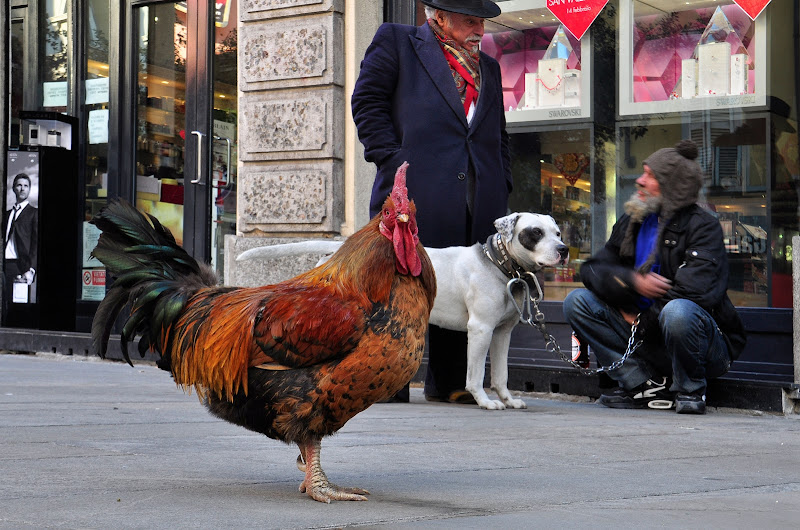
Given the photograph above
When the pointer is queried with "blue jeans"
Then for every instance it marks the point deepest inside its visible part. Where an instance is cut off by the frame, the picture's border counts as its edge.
(687, 335)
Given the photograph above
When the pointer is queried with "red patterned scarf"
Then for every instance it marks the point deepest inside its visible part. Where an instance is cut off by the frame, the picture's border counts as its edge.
(464, 66)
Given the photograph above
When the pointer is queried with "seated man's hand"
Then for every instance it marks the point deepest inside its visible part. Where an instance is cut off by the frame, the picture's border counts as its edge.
(28, 277)
(651, 285)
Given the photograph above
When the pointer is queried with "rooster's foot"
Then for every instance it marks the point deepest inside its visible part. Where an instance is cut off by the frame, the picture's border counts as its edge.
(328, 491)
(316, 484)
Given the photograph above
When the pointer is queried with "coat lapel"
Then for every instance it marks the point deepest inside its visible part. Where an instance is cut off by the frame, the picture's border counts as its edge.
(430, 55)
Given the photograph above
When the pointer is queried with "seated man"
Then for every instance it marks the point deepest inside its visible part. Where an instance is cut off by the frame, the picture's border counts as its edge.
(665, 264)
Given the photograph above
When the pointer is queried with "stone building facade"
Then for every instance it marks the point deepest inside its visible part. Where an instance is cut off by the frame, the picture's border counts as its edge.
(302, 172)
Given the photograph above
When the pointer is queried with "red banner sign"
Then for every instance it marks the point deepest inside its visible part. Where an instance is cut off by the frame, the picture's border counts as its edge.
(753, 8)
(576, 15)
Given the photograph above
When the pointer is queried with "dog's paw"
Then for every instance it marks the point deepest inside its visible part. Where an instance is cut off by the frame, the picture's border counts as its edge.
(491, 404)
(516, 403)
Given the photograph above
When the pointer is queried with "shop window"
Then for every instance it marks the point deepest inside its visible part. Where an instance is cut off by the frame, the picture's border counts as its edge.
(95, 113)
(552, 175)
(735, 158)
(545, 69)
(679, 56)
(55, 65)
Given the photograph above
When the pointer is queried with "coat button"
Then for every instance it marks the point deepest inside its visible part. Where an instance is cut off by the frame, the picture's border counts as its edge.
(694, 253)
(461, 176)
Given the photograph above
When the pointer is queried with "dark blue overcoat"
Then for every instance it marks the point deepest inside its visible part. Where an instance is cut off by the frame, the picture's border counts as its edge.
(407, 108)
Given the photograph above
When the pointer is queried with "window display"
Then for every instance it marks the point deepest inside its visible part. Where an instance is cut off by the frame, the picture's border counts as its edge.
(545, 68)
(733, 157)
(689, 56)
(552, 175)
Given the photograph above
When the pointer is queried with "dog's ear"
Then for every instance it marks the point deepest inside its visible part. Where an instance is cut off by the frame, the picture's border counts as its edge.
(505, 226)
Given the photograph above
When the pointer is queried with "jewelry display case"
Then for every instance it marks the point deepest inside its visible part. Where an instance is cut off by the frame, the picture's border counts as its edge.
(546, 70)
(678, 56)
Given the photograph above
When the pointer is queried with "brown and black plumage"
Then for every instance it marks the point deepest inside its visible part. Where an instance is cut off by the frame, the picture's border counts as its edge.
(294, 361)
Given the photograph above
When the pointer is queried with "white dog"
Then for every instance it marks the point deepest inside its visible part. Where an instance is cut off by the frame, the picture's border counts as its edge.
(471, 291)
(471, 294)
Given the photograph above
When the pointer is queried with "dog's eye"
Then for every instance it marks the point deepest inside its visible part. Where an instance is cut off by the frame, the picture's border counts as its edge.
(537, 232)
(558, 235)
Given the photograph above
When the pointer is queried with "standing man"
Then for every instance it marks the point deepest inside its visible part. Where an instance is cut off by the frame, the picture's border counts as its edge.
(665, 265)
(429, 96)
(21, 229)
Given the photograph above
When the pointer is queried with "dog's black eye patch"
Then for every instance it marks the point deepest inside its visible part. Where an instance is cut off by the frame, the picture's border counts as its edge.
(530, 236)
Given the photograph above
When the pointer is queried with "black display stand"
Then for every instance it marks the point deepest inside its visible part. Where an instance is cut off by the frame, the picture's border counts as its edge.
(57, 272)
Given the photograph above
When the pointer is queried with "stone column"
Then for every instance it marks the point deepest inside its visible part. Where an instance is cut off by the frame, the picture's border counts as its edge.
(291, 131)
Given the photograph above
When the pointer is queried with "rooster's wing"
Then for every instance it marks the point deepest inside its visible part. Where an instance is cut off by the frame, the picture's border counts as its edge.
(224, 331)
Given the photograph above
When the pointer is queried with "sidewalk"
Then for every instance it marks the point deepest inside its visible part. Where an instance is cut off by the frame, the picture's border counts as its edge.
(86, 443)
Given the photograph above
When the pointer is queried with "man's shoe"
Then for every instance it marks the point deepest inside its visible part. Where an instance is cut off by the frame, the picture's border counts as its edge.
(650, 394)
(462, 397)
(690, 404)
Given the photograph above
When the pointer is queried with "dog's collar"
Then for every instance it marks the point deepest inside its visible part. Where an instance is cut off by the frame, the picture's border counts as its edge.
(495, 250)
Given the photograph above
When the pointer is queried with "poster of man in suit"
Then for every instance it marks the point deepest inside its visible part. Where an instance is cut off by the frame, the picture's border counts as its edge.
(21, 229)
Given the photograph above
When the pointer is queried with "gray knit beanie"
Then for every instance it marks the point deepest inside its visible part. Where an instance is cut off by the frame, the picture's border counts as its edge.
(680, 179)
(678, 174)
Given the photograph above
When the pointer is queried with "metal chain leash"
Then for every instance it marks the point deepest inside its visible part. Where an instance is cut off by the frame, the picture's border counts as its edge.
(535, 318)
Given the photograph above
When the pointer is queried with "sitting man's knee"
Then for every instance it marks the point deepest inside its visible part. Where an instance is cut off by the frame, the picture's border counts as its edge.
(678, 313)
(574, 301)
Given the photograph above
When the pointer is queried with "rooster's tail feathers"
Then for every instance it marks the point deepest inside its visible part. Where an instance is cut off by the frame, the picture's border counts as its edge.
(152, 273)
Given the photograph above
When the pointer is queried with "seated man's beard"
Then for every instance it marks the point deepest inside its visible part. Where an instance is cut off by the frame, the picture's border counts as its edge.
(638, 209)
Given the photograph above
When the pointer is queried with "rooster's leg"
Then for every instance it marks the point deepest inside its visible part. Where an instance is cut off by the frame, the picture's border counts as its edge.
(316, 484)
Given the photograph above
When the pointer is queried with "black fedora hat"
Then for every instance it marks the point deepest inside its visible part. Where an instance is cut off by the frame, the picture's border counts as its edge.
(475, 8)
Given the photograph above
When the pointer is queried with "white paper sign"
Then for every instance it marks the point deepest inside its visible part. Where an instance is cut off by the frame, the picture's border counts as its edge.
(224, 129)
(97, 91)
(91, 234)
(55, 93)
(98, 126)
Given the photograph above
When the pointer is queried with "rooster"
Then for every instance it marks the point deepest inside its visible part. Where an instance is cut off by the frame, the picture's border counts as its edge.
(293, 361)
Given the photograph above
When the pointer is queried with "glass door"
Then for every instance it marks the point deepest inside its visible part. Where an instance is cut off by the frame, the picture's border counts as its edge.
(184, 61)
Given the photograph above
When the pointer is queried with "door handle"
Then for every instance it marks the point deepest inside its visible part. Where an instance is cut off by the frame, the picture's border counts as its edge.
(228, 180)
(199, 157)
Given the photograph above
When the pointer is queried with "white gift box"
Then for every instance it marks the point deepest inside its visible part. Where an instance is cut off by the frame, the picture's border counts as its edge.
(738, 74)
(714, 64)
(20, 293)
(551, 82)
(572, 88)
(688, 78)
(530, 99)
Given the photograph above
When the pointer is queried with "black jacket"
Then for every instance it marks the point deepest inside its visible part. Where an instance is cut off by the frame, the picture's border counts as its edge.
(692, 255)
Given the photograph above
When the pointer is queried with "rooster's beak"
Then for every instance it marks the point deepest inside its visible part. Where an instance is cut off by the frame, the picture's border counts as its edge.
(403, 217)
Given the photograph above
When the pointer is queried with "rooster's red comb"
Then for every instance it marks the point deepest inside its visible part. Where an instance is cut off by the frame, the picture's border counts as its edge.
(399, 192)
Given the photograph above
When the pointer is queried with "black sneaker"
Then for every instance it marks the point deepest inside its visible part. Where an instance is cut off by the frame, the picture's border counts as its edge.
(690, 404)
(650, 394)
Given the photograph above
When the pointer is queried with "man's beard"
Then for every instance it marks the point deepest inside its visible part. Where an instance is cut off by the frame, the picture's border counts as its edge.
(638, 209)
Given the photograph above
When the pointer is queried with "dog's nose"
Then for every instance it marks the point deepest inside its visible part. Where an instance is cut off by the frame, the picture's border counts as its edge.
(563, 252)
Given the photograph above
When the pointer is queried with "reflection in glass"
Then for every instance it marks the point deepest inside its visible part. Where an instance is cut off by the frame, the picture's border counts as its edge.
(160, 113)
(55, 64)
(223, 163)
(540, 61)
(552, 175)
(707, 50)
(733, 155)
